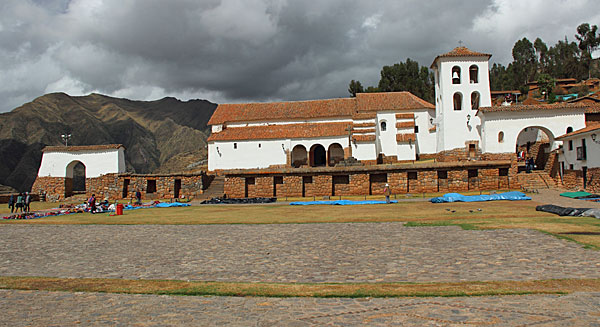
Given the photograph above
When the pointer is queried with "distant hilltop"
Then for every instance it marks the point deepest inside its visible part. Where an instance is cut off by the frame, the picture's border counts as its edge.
(165, 135)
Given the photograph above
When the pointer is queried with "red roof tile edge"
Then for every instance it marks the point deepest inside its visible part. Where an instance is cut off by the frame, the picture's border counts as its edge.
(281, 131)
(590, 128)
(74, 148)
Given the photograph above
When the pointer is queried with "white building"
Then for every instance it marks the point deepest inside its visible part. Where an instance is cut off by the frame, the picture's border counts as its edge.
(386, 127)
(581, 149)
(59, 161)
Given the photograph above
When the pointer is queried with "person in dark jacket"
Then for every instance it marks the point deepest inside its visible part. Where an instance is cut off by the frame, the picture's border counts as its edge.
(27, 202)
(138, 197)
(92, 203)
(11, 203)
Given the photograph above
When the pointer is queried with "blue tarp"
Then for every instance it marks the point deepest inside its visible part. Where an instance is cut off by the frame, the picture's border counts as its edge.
(455, 197)
(170, 205)
(339, 202)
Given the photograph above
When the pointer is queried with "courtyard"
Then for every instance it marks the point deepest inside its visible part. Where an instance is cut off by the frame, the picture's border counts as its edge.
(410, 263)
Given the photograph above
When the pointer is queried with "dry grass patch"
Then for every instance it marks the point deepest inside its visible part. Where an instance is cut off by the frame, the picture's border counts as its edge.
(171, 287)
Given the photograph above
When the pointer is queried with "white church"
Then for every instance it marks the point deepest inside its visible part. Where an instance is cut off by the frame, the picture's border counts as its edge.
(386, 127)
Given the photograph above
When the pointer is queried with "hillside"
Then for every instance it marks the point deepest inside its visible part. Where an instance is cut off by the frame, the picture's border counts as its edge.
(165, 135)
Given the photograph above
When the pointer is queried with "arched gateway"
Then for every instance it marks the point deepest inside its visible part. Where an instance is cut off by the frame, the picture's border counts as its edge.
(65, 169)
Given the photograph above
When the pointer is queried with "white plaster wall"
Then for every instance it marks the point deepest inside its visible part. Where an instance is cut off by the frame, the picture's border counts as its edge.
(453, 127)
(553, 122)
(387, 139)
(249, 155)
(426, 141)
(406, 151)
(97, 163)
(364, 151)
(569, 157)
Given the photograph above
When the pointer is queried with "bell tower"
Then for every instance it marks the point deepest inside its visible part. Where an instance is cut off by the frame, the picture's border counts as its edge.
(462, 85)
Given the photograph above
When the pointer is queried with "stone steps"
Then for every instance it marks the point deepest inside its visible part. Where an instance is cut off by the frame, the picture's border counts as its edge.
(536, 180)
(216, 189)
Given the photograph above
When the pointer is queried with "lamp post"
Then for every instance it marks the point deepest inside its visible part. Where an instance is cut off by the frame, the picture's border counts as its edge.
(66, 138)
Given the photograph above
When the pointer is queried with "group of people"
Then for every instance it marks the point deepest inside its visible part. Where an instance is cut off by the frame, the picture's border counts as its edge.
(21, 202)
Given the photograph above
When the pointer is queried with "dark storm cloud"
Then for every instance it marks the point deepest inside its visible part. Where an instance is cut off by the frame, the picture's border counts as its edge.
(249, 50)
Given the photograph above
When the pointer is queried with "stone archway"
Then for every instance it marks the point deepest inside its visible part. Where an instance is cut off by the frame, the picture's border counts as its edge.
(299, 156)
(535, 142)
(75, 178)
(318, 156)
(335, 154)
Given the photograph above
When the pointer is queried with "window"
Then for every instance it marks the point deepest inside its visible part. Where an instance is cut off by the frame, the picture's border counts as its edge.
(501, 137)
(250, 181)
(259, 145)
(503, 172)
(582, 151)
(442, 174)
(455, 75)
(457, 101)
(473, 173)
(277, 179)
(341, 179)
(474, 74)
(571, 166)
(570, 145)
(383, 126)
(569, 129)
(416, 129)
(475, 100)
(412, 175)
(235, 145)
(307, 179)
(151, 186)
(378, 178)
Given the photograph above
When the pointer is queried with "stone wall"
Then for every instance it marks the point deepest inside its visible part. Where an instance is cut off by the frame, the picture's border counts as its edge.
(460, 154)
(119, 186)
(573, 180)
(405, 178)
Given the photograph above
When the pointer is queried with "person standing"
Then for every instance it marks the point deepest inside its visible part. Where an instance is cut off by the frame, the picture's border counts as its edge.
(20, 201)
(11, 203)
(92, 203)
(387, 191)
(138, 197)
(27, 202)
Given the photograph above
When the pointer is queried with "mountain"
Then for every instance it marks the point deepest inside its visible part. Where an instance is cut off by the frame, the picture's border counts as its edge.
(163, 136)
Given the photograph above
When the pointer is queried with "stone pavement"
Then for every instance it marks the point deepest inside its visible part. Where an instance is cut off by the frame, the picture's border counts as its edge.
(37, 308)
(344, 252)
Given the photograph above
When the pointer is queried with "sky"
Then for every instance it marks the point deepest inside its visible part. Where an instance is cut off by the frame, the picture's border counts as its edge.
(231, 51)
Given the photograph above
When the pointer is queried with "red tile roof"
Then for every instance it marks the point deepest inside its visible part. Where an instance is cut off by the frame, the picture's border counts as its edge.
(406, 137)
(363, 106)
(591, 126)
(76, 148)
(390, 101)
(527, 107)
(265, 132)
(363, 138)
(405, 116)
(273, 111)
(461, 52)
(363, 131)
(406, 124)
(364, 125)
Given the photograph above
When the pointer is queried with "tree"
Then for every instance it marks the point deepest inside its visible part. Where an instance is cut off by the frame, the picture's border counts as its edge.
(588, 43)
(546, 84)
(355, 87)
(524, 61)
(408, 76)
(541, 52)
(564, 61)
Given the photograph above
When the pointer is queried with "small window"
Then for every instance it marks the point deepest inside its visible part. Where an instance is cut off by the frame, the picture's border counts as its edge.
(235, 145)
(277, 179)
(383, 126)
(250, 181)
(341, 179)
(571, 166)
(412, 175)
(501, 137)
(475, 101)
(378, 178)
(474, 74)
(473, 173)
(442, 174)
(307, 179)
(259, 145)
(151, 186)
(416, 129)
(455, 75)
(570, 145)
(503, 172)
(457, 101)
(569, 129)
